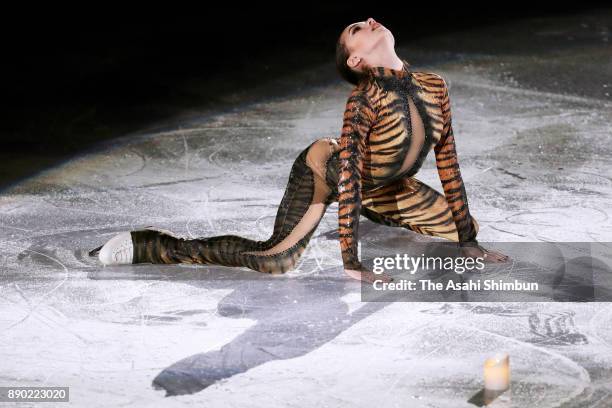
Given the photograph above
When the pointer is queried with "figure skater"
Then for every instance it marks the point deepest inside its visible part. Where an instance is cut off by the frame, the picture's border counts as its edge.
(394, 116)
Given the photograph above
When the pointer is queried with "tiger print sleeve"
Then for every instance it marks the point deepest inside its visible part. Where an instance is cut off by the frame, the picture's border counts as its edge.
(357, 121)
(450, 175)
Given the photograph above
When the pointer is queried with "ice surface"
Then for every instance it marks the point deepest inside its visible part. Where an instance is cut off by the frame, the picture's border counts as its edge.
(536, 161)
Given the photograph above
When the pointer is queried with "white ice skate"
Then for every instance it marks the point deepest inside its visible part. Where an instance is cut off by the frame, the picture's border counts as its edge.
(119, 250)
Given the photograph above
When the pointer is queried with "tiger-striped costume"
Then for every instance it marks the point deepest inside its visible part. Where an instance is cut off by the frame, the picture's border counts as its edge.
(392, 120)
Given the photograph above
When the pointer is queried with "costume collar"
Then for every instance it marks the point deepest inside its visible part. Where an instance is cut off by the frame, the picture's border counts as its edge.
(378, 72)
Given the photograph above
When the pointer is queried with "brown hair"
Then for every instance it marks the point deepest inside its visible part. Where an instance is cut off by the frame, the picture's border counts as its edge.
(342, 54)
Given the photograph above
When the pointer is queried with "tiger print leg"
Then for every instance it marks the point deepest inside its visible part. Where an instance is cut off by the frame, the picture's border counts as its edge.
(305, 200)
(411, 204)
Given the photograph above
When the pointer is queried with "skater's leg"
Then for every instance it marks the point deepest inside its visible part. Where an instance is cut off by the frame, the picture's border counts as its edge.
(411, 204)
(302, 207)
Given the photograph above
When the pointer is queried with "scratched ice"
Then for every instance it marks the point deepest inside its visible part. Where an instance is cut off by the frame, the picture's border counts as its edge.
(535, 153)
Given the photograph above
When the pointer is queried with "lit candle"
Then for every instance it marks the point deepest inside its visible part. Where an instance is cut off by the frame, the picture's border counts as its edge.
(497, 372)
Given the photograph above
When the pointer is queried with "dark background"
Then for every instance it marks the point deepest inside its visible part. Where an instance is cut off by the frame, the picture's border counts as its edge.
(74, 77)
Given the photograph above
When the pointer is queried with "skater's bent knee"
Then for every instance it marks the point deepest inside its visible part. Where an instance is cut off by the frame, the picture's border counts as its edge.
(279, 263)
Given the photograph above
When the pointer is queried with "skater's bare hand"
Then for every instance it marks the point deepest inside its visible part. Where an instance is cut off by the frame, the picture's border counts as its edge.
(365, 275)
(488, 255)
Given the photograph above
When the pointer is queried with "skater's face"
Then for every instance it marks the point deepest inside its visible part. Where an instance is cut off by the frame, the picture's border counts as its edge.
(364, 39)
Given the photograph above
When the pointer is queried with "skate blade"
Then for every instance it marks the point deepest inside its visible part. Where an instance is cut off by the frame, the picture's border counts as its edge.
(96, 251)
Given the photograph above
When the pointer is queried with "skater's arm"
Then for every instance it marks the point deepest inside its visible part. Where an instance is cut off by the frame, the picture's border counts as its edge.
(450, 175)
(357, 121)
